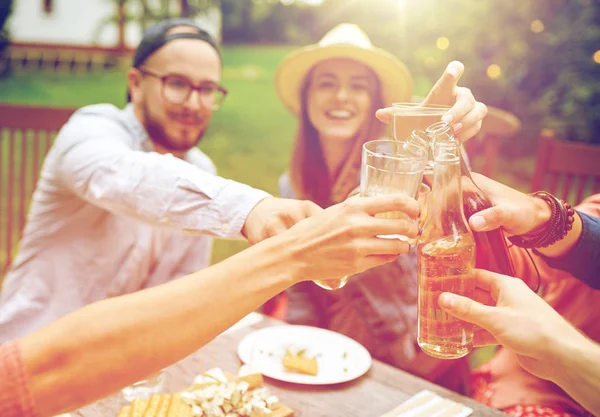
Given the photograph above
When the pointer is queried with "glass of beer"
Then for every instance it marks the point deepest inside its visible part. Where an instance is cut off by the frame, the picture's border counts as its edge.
(388, 167)
(408, 117)
(393, 167)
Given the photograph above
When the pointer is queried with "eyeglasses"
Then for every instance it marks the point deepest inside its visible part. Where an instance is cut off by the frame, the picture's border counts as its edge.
(176, 89)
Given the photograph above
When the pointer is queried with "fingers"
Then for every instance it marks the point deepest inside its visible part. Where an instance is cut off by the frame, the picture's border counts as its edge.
(486, 280)
(375, 260)
(483, 296)
(443, 91)
(490, 219)
(465, 134)
(465, 102)
(383, 227)
(493, 283)
(385, 115)
(466, 309)
(383, 246)
(310, 209)
(449, 79)
(471, 123)
(386, 203)
(484, 338)
(272, 228)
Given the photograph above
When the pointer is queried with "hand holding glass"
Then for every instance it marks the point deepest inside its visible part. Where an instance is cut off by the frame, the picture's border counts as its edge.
(390, 167)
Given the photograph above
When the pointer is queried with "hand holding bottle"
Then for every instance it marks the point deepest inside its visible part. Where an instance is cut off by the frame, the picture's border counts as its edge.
(519, 214)
(492, 250)
(511, 314)
(516, 213)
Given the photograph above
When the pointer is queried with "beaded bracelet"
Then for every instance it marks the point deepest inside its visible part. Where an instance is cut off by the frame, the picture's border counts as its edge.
(560, 223)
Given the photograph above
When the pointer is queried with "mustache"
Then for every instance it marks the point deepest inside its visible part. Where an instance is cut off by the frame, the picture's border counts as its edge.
(187, 116)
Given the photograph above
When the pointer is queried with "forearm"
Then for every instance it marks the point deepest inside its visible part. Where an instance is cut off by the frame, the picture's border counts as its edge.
(115, 342)
(580, 373)
(158, 189)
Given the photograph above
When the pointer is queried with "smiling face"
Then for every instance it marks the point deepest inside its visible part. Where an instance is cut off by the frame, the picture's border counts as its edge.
(175, 127)
(339, 99)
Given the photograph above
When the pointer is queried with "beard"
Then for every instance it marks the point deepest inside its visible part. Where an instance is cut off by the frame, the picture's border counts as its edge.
(159, 135)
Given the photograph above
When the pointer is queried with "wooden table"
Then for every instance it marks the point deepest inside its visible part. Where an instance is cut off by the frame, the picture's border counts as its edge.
(377, 392)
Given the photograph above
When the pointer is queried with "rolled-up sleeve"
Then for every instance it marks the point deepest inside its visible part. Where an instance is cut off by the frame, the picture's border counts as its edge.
(155, 188)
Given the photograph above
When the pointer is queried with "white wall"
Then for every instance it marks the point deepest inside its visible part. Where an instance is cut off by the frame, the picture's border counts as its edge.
(71, 22)
(80, 22)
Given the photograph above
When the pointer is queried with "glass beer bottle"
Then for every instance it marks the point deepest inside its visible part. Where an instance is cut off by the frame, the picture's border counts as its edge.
(445, 260)
(492, 250)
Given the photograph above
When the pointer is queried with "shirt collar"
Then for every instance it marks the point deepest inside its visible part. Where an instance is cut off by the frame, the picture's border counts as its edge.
(134, 125)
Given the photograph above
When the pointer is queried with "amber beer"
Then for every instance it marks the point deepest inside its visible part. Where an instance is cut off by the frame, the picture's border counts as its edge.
(445, 259)
(444, 266)
(492, 250)
(408, 117)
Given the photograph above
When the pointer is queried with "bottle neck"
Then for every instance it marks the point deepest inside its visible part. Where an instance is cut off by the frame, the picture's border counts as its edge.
(446, 193)
(440, 133)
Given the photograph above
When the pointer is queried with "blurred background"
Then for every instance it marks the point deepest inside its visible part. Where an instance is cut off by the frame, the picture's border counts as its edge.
(538, 60)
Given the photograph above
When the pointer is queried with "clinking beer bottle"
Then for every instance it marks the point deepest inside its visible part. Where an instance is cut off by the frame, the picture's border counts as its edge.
(445, 260)
(492, 251)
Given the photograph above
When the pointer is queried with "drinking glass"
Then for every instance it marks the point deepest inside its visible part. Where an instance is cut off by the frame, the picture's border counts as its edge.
(423, 199)
(392, 167)
(408, 117)
(153, 384)
(388, 166)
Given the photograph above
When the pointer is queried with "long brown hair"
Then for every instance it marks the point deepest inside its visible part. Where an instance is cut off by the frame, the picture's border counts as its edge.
(308, 172)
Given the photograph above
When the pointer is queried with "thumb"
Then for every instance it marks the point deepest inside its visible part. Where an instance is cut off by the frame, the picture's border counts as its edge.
(489, 219)
(466, 309)
(449, 78)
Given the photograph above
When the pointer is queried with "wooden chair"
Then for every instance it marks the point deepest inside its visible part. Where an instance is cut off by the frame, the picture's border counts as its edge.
(498, 126)
(569, 170)
(26, 134)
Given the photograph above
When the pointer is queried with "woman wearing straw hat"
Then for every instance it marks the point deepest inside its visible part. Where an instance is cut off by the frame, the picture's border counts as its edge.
(335, 89)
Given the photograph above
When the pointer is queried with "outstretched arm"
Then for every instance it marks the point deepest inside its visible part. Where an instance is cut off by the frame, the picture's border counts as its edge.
(96, 164)
(104, 346)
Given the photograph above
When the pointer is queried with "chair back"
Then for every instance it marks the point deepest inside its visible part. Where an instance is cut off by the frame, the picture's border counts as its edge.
(569, 170)
(26, 134)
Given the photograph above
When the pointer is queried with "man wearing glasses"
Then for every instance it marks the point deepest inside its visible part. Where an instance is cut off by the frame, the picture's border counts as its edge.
(125, 200)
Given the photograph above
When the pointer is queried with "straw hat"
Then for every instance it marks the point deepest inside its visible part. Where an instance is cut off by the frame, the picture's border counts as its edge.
(343, 41)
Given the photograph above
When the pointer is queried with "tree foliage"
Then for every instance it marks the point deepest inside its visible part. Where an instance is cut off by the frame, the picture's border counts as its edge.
(547, 75)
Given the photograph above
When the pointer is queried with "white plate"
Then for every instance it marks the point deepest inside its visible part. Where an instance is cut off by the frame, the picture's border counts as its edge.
(340, 358)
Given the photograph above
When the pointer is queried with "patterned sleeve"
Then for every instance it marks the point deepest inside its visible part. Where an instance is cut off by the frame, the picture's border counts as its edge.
(15, 395)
